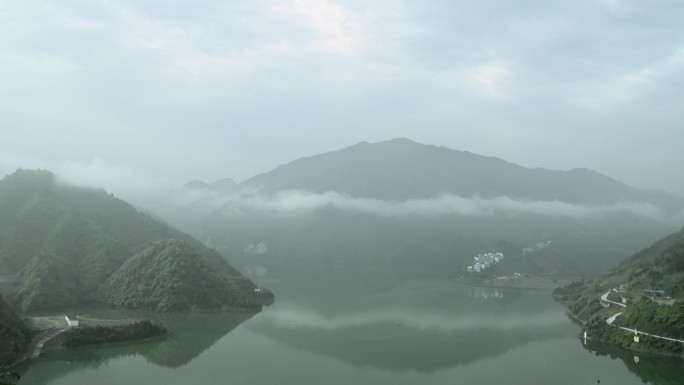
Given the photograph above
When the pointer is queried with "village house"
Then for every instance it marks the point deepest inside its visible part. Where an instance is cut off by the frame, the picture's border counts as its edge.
(71, 320)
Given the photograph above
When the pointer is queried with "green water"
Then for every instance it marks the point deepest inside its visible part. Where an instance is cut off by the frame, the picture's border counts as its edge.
(416, 332)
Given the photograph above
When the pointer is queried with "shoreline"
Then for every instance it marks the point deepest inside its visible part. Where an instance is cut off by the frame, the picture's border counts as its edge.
(573, 316)
(533, 283)
(108, 344)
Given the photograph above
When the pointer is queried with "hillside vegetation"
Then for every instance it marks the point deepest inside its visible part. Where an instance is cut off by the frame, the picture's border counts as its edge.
(61, 243)
(169, 275)
(112, 334)
(14, 335)
(659, 267)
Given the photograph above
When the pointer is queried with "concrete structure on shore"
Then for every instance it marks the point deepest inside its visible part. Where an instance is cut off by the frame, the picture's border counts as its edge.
(71, 320)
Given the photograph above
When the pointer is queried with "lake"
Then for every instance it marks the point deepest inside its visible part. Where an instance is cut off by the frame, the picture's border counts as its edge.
(324, 330)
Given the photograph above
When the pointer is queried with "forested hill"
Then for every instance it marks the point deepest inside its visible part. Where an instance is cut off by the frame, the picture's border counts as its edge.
(14, 335)
(170, 275)
(62, 242)
(658, 268)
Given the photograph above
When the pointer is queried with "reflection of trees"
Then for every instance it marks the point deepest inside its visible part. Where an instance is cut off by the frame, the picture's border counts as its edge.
(650, 368)
(84, 357)
(191, 334)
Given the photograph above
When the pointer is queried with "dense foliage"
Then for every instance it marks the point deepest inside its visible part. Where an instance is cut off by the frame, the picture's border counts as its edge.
(9, 378)
(662, 320)
(14, 335)
(61, 243)
(110, 334)
(659, 266)
(168, 275)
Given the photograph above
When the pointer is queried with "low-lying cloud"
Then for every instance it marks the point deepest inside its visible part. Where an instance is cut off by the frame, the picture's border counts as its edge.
(302, 202)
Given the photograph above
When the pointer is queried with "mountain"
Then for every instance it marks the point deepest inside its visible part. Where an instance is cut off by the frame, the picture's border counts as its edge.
(61, 242)
(650, 283)
(169, 275)
(13, 333)
(403, 206)
(221, 186)
(401, 169)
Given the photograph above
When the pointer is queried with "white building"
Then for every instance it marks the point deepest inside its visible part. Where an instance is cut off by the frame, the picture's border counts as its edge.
(71, 320)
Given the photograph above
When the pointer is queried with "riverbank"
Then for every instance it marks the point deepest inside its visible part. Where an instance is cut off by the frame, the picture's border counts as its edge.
(98, 335)
(51, 332)
(600, 325)
(515, 281)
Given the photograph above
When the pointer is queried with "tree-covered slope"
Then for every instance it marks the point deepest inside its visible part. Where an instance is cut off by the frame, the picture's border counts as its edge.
(658, 267)
(61, 242)
(169, 275)
(14, 335)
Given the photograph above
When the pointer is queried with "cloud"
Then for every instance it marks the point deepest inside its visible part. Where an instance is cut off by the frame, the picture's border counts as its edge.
(199, 63)
(530, 84)
(634, 84)
(291, 317)
(302, 202)
(117, 178)
(335, 29)
(490, 78)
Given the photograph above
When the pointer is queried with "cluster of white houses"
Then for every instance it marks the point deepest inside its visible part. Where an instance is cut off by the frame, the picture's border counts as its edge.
(483, 261)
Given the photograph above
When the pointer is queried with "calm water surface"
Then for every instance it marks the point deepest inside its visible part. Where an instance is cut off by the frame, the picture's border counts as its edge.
(416, 332)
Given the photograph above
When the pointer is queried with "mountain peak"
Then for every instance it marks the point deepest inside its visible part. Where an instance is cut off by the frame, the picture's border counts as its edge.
(196, 184)
(402, 141)
(35, 175)
(401, 169)
(224, 185)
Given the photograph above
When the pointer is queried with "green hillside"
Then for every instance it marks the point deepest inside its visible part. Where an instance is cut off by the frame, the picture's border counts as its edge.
(61, 242)
(169, 275)
(14, 335)
(659, 267)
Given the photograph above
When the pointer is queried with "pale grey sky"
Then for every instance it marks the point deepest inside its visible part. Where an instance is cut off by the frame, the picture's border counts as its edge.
(133, 94)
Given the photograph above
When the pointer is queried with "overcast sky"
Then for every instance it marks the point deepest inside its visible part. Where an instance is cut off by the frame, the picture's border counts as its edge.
(125, 93)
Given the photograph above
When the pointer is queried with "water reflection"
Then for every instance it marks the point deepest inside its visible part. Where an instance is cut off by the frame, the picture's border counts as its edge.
(650, 368)
(190, 335)
(417, 326)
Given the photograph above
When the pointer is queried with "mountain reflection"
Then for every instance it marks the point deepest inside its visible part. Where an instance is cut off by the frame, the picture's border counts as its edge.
(417, 326)
(192, 334)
